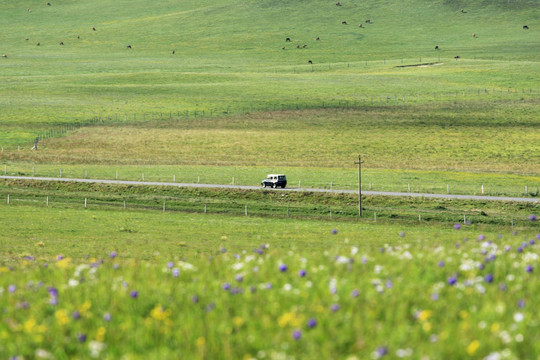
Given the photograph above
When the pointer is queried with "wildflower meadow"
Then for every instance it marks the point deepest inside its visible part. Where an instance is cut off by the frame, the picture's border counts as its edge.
(450, 298)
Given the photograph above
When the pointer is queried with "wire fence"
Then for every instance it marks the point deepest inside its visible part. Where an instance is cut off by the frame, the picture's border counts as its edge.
(296, 211)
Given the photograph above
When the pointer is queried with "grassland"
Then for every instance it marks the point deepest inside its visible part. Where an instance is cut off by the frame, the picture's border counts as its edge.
(287, 281)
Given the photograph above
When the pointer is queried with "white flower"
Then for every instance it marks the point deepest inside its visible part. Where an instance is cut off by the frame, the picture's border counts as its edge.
(354, 250)
(237, 266)
(43, 354)
(493, 356)
(73, 282)
(287, 287)
(186, 266)
(518, 317)
(95, 348)
(519, 338)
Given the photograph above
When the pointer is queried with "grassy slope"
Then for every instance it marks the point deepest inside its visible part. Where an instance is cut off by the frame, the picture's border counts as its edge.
(225, 50)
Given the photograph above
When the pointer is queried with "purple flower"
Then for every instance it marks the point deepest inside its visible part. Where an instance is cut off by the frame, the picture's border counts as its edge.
(223, 250)
(134, 294)
(457, 226)
(107, 317)
(12, 288)
(334, 231)
(302, 273)
(389, 284)
(175, 272)
(481, 266)
(481, 237)
(521, 303)
(76, 315)
(81, 337)
(529, 268)
(452, 280)
(532, 217)
(239, 278)
(489, 278)
(268, 286)
(226, 286)
(258, 251)
(503, 287)
(434, 296)
(194, 299)
(537, 236)
(170, 264)
(520, 249)
(532, 242)
(441, 263)
(402, 233)
(116, 266)
(59, 257)
(311, 323)
(113, 254)
(297, 334)
(282, 267)
(381, 351)
(355, 293)
(334, 307)
(507, 248)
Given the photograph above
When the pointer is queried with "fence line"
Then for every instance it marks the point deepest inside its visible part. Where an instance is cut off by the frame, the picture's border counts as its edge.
(275, 211)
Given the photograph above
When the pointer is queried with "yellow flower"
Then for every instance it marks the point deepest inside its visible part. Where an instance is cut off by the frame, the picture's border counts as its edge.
(200, 342)
(64, 263)
(495, 327)
(61, 317)
(426, 326)
(100, 335)
(29, 325)
(463, 314)
(40, 244)
(238, 321)
(473, 346)
(159, 313)
(4, 269)
(424, 315)
(83, 309)
(290, 319)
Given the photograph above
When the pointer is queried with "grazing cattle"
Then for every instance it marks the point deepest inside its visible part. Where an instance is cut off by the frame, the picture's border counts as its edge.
(93, 28)
(4, 55)
(368, 21)
(456, 57)
(360, 25)
(310, 62)
(304, 46)
(344, 22)
(173, 52)
(48, 4)
(129, 46)
(61, 43)
(298, 46)
(317, 38)
(436, 47)
(473, 35)
(288, 40)
(283, 48)
(26, 39)
(28, 10)
(463, 11)
(338, 4)
(78, 36)
(525, 27)
(38, 44)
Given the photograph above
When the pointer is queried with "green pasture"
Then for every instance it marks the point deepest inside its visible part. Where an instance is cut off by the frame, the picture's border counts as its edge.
(146, 284)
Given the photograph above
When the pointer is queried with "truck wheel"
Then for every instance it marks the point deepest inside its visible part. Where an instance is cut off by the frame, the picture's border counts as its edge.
(274, 185)
(263, 185)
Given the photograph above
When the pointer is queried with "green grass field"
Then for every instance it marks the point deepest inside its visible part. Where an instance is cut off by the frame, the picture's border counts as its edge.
(211, 92)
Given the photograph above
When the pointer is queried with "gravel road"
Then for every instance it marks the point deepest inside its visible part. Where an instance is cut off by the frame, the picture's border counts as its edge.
(377, 193)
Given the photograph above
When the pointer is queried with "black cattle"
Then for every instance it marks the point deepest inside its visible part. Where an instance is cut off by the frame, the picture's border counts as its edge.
(173, 52)
(48, 4)
(344, 22)
(436, 47)
(288, 40)
(38, 44)
(338, 4)
(525, 27)
(61, 43)
(456, 57)
(129, 46)
(317, 38)
(310, 62)
(93, 28)
(368, 21)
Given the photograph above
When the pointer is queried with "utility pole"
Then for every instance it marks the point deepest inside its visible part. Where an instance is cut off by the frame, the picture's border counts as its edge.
(359, 163)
